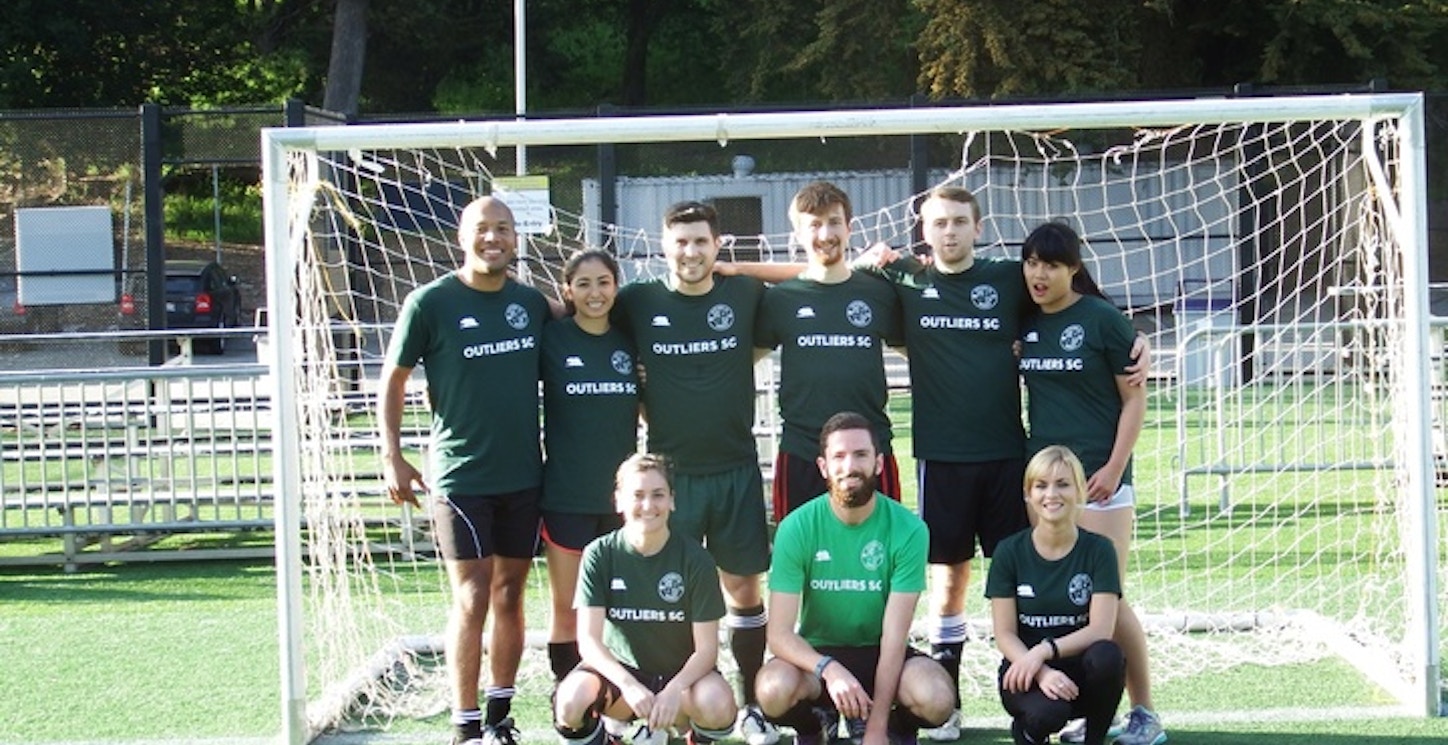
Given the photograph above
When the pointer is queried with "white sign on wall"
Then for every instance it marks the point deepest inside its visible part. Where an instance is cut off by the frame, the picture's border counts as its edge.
(528, 198)
(64, 240)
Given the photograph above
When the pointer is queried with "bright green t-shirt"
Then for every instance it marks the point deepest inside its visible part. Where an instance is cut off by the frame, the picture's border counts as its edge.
(1070, 361)
(1053, 598)
(590, 416)
(960, 330)
(479, 352)
(650, 602)
(831, 339)
(844, 574)
(698, 355)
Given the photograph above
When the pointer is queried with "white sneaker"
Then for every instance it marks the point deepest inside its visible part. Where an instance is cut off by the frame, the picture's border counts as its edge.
(1143, 727)
(947, 732)
(642, 735)
(754, 728)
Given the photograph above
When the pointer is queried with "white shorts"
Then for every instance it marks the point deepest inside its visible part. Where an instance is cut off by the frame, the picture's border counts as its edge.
(1125, 496)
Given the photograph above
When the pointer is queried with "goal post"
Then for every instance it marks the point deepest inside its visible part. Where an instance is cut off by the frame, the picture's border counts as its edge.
(1274, 249)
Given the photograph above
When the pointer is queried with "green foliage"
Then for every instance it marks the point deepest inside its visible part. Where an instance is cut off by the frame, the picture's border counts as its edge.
(190, 215)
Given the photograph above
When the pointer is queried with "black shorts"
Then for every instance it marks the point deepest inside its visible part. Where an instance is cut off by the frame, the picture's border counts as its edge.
(962, 503)
(861, 662)
(611, 691)
(480, 526)
(798, 480)
(571, 531)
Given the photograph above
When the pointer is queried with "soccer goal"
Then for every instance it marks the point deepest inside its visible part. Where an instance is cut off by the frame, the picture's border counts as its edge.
(1274, 249)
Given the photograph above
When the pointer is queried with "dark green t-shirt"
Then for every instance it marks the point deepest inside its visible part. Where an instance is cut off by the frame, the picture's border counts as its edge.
(650, 602)
(590, 416)
(1070, 361)
(479, 351)
(959, 330)
(698, 355)
(831, 339)
(1053, 598)
(844, 574)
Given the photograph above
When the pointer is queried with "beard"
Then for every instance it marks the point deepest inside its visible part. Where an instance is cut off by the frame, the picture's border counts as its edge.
(853, 496)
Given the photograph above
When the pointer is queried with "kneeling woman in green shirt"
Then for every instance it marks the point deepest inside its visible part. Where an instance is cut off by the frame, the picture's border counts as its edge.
(649, 605)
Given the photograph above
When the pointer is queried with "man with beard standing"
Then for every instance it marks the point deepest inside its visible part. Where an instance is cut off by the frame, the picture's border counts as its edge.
(831, 325)
(849, 569)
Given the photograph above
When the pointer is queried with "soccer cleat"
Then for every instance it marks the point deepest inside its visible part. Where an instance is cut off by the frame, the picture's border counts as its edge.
(755, 729)
(645, 736)
(502, 733)
(947, 732)
(1143, 727)
(467, 734)
(856, 728)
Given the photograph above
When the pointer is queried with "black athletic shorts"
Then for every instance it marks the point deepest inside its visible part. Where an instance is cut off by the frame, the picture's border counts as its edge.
(480, 526)
(571, 531)
(962, 503)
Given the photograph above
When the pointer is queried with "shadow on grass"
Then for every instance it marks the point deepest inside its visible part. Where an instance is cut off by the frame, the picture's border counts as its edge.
(185, 581)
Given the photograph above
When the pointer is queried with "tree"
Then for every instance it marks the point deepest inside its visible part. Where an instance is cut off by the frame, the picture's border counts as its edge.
(989, 48)
(349, 57)
(818, 49)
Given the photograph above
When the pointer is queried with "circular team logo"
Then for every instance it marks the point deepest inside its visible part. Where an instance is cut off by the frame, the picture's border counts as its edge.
(872, 555)
(721, 317)
(622, 363)
(516, 316)
(1079, 590)
(859, 314)
(671, 587)
(1072, 337)
(984, 297)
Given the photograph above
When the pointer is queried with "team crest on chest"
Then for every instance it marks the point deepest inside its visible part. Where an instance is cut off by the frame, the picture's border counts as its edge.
(721, 317)
(872, 556)
(1079, 590)
(671, 587)
(858, 313)
(1072, 337)
(516, 316)
(984, 297)
(621, 362)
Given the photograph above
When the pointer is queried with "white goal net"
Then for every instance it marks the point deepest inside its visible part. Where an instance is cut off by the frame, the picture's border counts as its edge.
(1273, 250)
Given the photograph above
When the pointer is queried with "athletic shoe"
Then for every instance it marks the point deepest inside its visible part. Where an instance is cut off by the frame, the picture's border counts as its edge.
(1143, 727)
(947, 732)
(829, 722)
(468, 734)
(856, 728)
(502, 733)
(1075, 730)
(645, 736)
(755, 729)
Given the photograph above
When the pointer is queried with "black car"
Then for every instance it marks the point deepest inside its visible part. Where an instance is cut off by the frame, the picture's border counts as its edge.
(202, 295)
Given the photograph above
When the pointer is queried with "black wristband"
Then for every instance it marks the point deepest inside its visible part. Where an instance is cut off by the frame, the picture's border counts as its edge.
(1055, 650)
(821, 665)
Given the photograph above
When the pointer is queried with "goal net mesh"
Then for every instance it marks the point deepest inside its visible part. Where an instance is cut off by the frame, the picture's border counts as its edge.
(1263, 260)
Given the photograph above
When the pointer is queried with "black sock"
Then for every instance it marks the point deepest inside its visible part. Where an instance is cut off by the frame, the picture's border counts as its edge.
(500, 704)
(747, 641)
(948, 655)
(562, 658)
